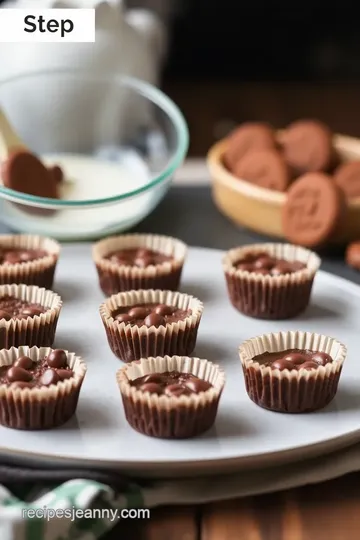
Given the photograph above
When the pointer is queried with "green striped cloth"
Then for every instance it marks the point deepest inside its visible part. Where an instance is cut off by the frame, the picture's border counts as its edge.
(85, 510)
(84, 495)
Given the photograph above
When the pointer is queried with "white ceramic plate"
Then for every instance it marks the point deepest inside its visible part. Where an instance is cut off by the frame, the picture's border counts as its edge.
(244, 434)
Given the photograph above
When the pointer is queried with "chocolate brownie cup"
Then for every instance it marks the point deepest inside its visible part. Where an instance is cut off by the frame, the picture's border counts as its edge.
(39, 388)
(292, 372)
(139, 324)
(270, 281)
(139, 261)
(248, 137)
(28, 259)
(28, 316)
(171, 397)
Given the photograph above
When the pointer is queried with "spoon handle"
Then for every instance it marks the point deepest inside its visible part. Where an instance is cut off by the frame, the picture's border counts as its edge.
(9, 139)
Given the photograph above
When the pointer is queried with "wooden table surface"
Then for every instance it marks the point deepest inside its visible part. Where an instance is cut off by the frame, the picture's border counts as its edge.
(327, 511)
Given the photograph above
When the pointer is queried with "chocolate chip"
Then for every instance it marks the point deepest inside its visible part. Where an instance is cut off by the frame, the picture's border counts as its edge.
(138, 312)
(31, 311)
(124, 318)
(18, 374)
(177, 390)
(65, 373)
(163, 309)
(26, 256)
(321, 358)
(5, 315)
(310, 364)
(197, 385)
(152, 388)
(153, 378)
(154, 320)
(282, 268)
(264, 262)
(295, 358)
(57, 358)
(24, 362)
(143, 261)
(282, 364)
(49, 377)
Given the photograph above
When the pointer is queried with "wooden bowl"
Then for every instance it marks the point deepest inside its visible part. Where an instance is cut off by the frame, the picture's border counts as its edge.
(260, 209)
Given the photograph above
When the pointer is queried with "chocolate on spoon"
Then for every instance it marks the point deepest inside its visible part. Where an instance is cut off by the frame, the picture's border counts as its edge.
(22, 170)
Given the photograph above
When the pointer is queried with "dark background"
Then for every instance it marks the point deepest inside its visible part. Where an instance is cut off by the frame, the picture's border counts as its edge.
(276, 61)
(272, 60)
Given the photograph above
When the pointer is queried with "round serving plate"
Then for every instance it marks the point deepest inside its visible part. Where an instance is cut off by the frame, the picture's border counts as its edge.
(260, 209)
(244, 434)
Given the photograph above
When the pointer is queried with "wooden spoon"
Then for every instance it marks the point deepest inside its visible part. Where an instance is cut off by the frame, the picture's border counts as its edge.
(23, 171)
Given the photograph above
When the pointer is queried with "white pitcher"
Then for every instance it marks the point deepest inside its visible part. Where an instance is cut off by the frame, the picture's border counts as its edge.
(128, 42)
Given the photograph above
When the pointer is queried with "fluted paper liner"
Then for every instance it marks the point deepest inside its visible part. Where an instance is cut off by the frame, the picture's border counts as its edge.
(39, 272)
(133, 342)
(171, 417)
(43, 407)
(271, 297)
(38, 330)
(295, 391)
(114, 278)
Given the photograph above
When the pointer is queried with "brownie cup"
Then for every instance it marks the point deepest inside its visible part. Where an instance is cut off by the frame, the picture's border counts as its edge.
(28, 259)
(292, 372)
(270, 281)
(171, 397)
(39, 387)
(139, 324)
(28, 316)
(139, 261)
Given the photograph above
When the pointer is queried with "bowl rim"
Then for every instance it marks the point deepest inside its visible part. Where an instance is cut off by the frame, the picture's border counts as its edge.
(220, 174)
(147, 90)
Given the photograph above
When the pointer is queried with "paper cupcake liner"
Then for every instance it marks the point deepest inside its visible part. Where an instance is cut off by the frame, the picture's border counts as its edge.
(292, 391)
(44, 407)
(171, 417)
(40, 272)
(271, 297)
(114, 278)
(130, 343)
(33, 331)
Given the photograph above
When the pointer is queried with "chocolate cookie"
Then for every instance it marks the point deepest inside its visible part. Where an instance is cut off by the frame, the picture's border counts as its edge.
(347, 177)
(24, 172)
(246, 137)
(264, 168)
(313, 209)
(352, 255)
(307, 146)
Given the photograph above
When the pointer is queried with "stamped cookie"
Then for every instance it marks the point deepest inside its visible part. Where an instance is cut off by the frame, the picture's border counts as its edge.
(347, 177)
(25, 173)
(248, 136)
(307, 146)
(352, 255)
(313, 209)
(264, 168)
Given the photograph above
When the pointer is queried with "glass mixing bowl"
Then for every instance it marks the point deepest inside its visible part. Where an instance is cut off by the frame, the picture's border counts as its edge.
(118, 139)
